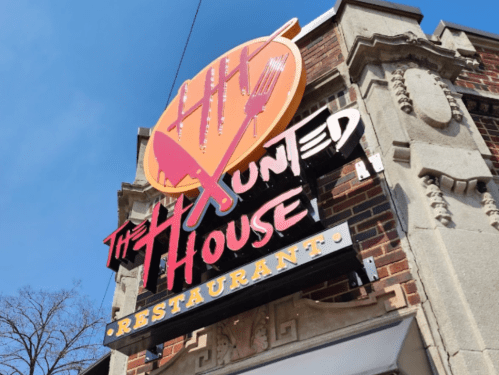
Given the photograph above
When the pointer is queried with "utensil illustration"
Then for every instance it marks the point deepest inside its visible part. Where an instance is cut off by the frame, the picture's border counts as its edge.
(176, 163)
(254, 106)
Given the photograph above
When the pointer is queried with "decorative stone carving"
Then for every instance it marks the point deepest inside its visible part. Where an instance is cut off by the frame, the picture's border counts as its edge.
(430, 102)
(379, 49)
(282, 329)
(297, 319)
(411, 38)
(472, 63)
(405, 103)
(456, 111)
(436, 199)
(242, 336)
(490, 208)
(201, 346)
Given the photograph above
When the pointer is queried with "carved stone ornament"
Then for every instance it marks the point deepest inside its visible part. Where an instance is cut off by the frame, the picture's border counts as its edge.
(437, 202)
(379, 49)
(290, 322)
(491, 210)
(404, 102)
(456, 111)
(242, 336)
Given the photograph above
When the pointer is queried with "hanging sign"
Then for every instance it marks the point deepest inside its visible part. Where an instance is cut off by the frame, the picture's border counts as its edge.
(262, 278)
(282, 212)
(208, 142)
(220, 119)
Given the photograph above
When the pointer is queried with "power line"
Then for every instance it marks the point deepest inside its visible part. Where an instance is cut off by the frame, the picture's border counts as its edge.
(98, 313)
(183, 53)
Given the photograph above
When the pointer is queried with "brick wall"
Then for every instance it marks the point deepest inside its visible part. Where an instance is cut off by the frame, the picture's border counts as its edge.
(342, 197)
(486, 78)
(485, 111)
(489, 128)
(136, 362)
(372, 224)
(321, 51)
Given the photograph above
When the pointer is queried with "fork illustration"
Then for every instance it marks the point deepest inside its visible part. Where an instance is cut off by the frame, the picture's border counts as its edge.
(254, 106)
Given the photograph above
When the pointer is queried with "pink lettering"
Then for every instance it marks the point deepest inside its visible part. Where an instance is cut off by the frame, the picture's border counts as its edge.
(277, 165)
(237, 184)
(266, 228)
(212, 256)
(233, 243)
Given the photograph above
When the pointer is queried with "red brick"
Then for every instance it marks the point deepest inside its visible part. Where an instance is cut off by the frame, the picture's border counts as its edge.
(364, 186)
(399, 278)
(314, 288)
(390, 258)
(399, 267)
(136, 363)
(478, 76)
(337, 280)
(374, 221)
(374, 191)
(349, 203)
(341, 189)
(132, 357)
(330, 291)
(410, 287)
(348, 169)
(383, 272)
(374, 252)
(167, 351)
(414, 299)
(177, 347)
(385, 237)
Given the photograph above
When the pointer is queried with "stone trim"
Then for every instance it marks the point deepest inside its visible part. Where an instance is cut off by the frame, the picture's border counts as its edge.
(399, 9)
(383, 49)
(451, 25)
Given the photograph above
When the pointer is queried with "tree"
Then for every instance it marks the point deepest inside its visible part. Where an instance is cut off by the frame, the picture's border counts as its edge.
(44, 332)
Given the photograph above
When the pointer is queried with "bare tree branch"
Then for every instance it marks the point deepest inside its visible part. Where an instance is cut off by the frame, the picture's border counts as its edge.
(47, 333)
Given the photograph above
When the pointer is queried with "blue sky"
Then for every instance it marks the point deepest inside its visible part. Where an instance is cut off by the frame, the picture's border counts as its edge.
(77, 80)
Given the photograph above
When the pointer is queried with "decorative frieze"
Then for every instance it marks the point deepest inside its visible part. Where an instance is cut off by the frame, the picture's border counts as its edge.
(456, 111)
(242, 336)
(404, 102)
(437, 202)
(490, 207)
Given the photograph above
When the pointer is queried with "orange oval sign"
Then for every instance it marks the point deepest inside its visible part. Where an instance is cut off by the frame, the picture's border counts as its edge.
(220, 119)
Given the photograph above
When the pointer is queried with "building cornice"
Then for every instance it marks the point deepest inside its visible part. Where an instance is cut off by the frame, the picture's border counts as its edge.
(385, 6)
(468, 30)
(380, 49)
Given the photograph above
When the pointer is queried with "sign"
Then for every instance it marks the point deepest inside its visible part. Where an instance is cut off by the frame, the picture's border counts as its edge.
(248, 96)
(220, 119)
(287, 210)
(257, 277)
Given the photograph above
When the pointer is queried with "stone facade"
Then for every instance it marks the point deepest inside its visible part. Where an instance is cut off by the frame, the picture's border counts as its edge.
(430, 106)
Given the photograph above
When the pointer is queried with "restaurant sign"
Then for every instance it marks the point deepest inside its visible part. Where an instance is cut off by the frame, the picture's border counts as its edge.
(260, 277)
(210, 141)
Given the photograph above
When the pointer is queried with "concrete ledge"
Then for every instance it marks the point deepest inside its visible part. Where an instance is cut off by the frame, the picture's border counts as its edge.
(469, 30)
(400, 9)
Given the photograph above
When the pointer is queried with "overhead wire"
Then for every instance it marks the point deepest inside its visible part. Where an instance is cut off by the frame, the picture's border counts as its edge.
(168, 100)
(183, 53)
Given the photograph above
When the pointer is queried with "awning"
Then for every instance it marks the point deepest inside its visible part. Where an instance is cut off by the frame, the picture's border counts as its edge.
(396, 348)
